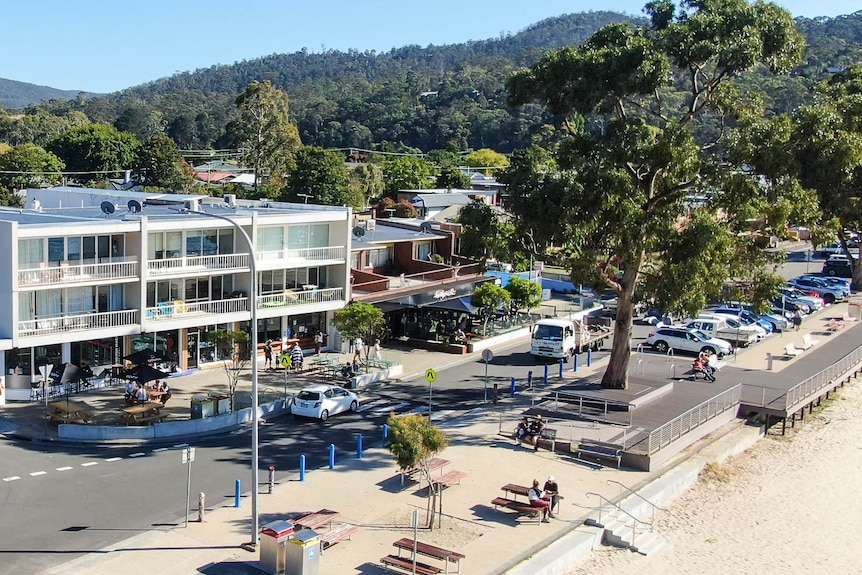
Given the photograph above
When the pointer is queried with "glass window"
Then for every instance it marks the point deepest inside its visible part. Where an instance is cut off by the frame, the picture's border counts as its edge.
(155, 246)
(89, 249)
(271, 239)
(318, 235)
(73, 250)
(297, 237)
(422, 251)
(225, 241)
(30, 253)
(56, 250)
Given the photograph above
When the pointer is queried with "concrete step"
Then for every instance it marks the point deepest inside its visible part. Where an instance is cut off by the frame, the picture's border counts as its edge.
(648, 543)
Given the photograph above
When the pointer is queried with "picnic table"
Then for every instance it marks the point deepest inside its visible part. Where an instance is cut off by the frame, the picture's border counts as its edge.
(447, 555)
(317, 519)
(69, 412)
(434, 464)
(143, 413)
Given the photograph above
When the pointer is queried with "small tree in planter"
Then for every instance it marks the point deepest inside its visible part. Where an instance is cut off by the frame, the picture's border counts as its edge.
(360, 320)
(489, 297)
(234, 346)
(413, 441)
(525, 293)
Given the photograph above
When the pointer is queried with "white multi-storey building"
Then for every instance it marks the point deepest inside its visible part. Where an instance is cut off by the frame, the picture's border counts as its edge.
(93, 275)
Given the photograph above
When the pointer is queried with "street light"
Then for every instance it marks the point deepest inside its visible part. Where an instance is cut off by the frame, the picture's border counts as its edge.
(254, 429)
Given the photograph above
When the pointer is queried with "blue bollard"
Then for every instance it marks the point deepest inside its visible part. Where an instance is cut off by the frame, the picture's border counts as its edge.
(237, 491)
(359, 446)
(546, 373)
(385, 433)
(530, 379)
(561, 369)
(332, 456)
(512, 388)
(576, 361)
(589, 357)
(302, 468)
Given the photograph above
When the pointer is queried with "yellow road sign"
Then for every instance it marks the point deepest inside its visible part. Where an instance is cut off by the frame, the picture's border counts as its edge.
(431, 375)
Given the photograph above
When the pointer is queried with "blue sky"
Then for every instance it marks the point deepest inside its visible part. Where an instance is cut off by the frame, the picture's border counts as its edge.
(108, 45)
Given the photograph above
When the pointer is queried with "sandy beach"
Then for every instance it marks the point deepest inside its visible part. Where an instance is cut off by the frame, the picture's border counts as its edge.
(788, 503)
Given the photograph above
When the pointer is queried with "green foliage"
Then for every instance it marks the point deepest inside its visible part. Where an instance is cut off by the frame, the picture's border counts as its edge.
(7, 198)
(450, 177)
(489, 297)
(413, 440)
(95, 148)
(29, 158)
(360, 320)
(406, 173)
(486, 158)
(321, 174)
(366, 181)
(161, 165)
(487, 232)
(403, 209)
(524, 293)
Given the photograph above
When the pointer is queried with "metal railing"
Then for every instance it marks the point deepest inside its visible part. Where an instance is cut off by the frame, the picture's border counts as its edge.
(65, 274)
(652, 505)
(77, 322)
(190, 263)
(635, 520)
(290, 298)
(178, 309)
(813, 384)
(694, 417)
(302, 255)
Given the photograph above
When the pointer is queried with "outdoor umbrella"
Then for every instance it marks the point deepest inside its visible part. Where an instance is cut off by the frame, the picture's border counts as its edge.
(145, 356)
(67, 373)
(143, 373)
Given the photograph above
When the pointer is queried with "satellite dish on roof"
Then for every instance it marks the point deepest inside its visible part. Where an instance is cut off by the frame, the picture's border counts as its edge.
(134, 206)
(358, 231)
(107, 208)
(425, 227)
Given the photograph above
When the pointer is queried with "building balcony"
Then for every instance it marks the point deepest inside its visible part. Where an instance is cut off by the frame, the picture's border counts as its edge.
(66, 274)
(77, 322)
(288, 258)
(371, 287)
(190, 265)
(293, 298)
(180, 310)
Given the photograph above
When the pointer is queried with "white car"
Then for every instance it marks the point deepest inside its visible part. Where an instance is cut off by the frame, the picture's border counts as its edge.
(689, 340)
(322, 400)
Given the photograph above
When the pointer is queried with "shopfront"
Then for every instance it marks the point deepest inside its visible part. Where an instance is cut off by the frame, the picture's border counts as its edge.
(434, 315)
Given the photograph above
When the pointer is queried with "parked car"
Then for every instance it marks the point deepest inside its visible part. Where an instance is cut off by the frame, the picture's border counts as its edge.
(322, 400)
(829, 293)
(835, 248)
(775, 321)
(687, 340)
(838, 267)
(833, 280)
(762, 325)
(801, 300)
(719, 327)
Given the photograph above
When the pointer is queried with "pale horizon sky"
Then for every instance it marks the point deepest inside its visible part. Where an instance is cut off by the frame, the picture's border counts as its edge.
(103, 46)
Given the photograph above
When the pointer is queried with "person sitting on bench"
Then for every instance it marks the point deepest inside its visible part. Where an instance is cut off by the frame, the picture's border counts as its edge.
(552, 492)
(130, 392)
(521, 430)
(141, 395)
(537, 499)
(347, 370)
(534, 431)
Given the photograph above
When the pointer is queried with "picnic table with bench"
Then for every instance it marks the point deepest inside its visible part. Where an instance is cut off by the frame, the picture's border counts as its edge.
(520, 507)
(433, 464)
(445, 555)
(516, 490)
(333, 535)
(69, 412)
(450, 478)
(149, 412)
(599, 450)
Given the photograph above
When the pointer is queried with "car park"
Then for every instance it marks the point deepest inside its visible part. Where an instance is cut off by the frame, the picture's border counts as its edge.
(687, 340)
(837, 267)
(774, 319)
(718, 327)
(835, 248)
(322, 400)
(829, 293)
(801, 300)
(764, 327)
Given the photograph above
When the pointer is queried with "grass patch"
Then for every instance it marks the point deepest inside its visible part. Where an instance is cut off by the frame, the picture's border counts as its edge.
(716, 472)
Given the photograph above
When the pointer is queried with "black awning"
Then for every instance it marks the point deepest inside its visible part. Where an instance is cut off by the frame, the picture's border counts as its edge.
(460, 304)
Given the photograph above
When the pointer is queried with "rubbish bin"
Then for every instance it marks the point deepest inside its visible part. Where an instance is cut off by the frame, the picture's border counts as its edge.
(202, 406)
(855, 310)
(303, 553)
(273, 538)
(222, 404)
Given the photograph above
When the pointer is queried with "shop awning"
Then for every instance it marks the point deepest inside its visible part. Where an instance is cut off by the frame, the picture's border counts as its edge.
(460, 304)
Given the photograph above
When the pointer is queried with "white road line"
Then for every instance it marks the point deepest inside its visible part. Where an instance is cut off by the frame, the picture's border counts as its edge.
(37, 473)
(64, 468)
(160, 449)
(367, 406)
(89, 463)
(392, 408)
(137, 454)
(112, 459)
(181, 445)
(12, 478)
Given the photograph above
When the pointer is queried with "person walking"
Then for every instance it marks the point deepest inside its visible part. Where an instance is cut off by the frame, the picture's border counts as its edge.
(357, 350)
(318, 342)
(267, 354)
(296, 357)
(797, 319)
(377, 349)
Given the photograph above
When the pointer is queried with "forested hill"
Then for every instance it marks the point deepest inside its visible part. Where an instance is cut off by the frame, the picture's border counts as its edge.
(16, 95)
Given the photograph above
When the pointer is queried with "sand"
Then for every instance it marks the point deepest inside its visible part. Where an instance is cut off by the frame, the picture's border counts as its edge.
(792, 502)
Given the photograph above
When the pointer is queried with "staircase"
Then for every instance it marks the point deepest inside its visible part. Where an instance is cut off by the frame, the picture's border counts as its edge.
(622, 523)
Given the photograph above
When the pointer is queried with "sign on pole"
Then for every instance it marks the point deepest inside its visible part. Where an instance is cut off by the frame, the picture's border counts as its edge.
(187, 457)
(487, 357)
(430, 375)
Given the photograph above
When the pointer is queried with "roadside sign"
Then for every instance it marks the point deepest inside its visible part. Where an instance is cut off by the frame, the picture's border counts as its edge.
(487, 355)
(430, 375)
(285, 361)
(188, 454)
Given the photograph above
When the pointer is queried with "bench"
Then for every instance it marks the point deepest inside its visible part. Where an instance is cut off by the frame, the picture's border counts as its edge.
(600, 450)
(808, 342)
(432, 464)
(336, 534)
(407, 564)
(317, 519)
(548, 436)
(516, 490)
(433, 551)
(791, 351)
(450, 478)
(517, 506)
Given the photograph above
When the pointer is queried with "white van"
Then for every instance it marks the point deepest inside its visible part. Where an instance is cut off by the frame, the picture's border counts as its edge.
(563, 338)
(717, 326)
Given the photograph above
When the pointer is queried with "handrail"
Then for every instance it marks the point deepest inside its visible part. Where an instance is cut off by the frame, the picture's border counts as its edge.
(636, 494)
(635, 519)
(697, 415)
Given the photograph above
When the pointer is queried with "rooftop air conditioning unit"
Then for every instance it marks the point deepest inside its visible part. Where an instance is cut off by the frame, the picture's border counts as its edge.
(192, 205)
(370, 225)
(230, 200)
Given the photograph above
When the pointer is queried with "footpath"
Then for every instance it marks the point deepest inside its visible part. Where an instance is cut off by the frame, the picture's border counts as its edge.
(369, 494)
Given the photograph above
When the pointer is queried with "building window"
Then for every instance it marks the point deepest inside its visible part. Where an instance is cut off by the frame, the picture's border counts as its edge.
(422, 251)
(379, 258)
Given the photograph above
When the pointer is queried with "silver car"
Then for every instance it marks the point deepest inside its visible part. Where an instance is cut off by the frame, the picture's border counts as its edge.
(688, 340)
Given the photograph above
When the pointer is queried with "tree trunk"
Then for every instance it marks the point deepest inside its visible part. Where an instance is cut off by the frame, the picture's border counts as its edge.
(617, 373)
(856, 273)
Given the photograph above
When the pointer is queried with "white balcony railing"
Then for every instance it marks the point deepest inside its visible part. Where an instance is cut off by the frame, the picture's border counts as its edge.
(66, 274)
(290, 298)
(77, 322)
(179, 309)
(292, 257)
(192, 263)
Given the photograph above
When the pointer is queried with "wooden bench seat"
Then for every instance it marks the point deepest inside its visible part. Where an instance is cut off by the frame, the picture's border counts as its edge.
(519, 507)
(434, 464)
(336, 534)
(450, 478)
(407, 564)
(547, 439)
(600, 450)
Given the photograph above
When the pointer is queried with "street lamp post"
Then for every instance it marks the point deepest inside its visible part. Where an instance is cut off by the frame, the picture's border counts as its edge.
(255, 517)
